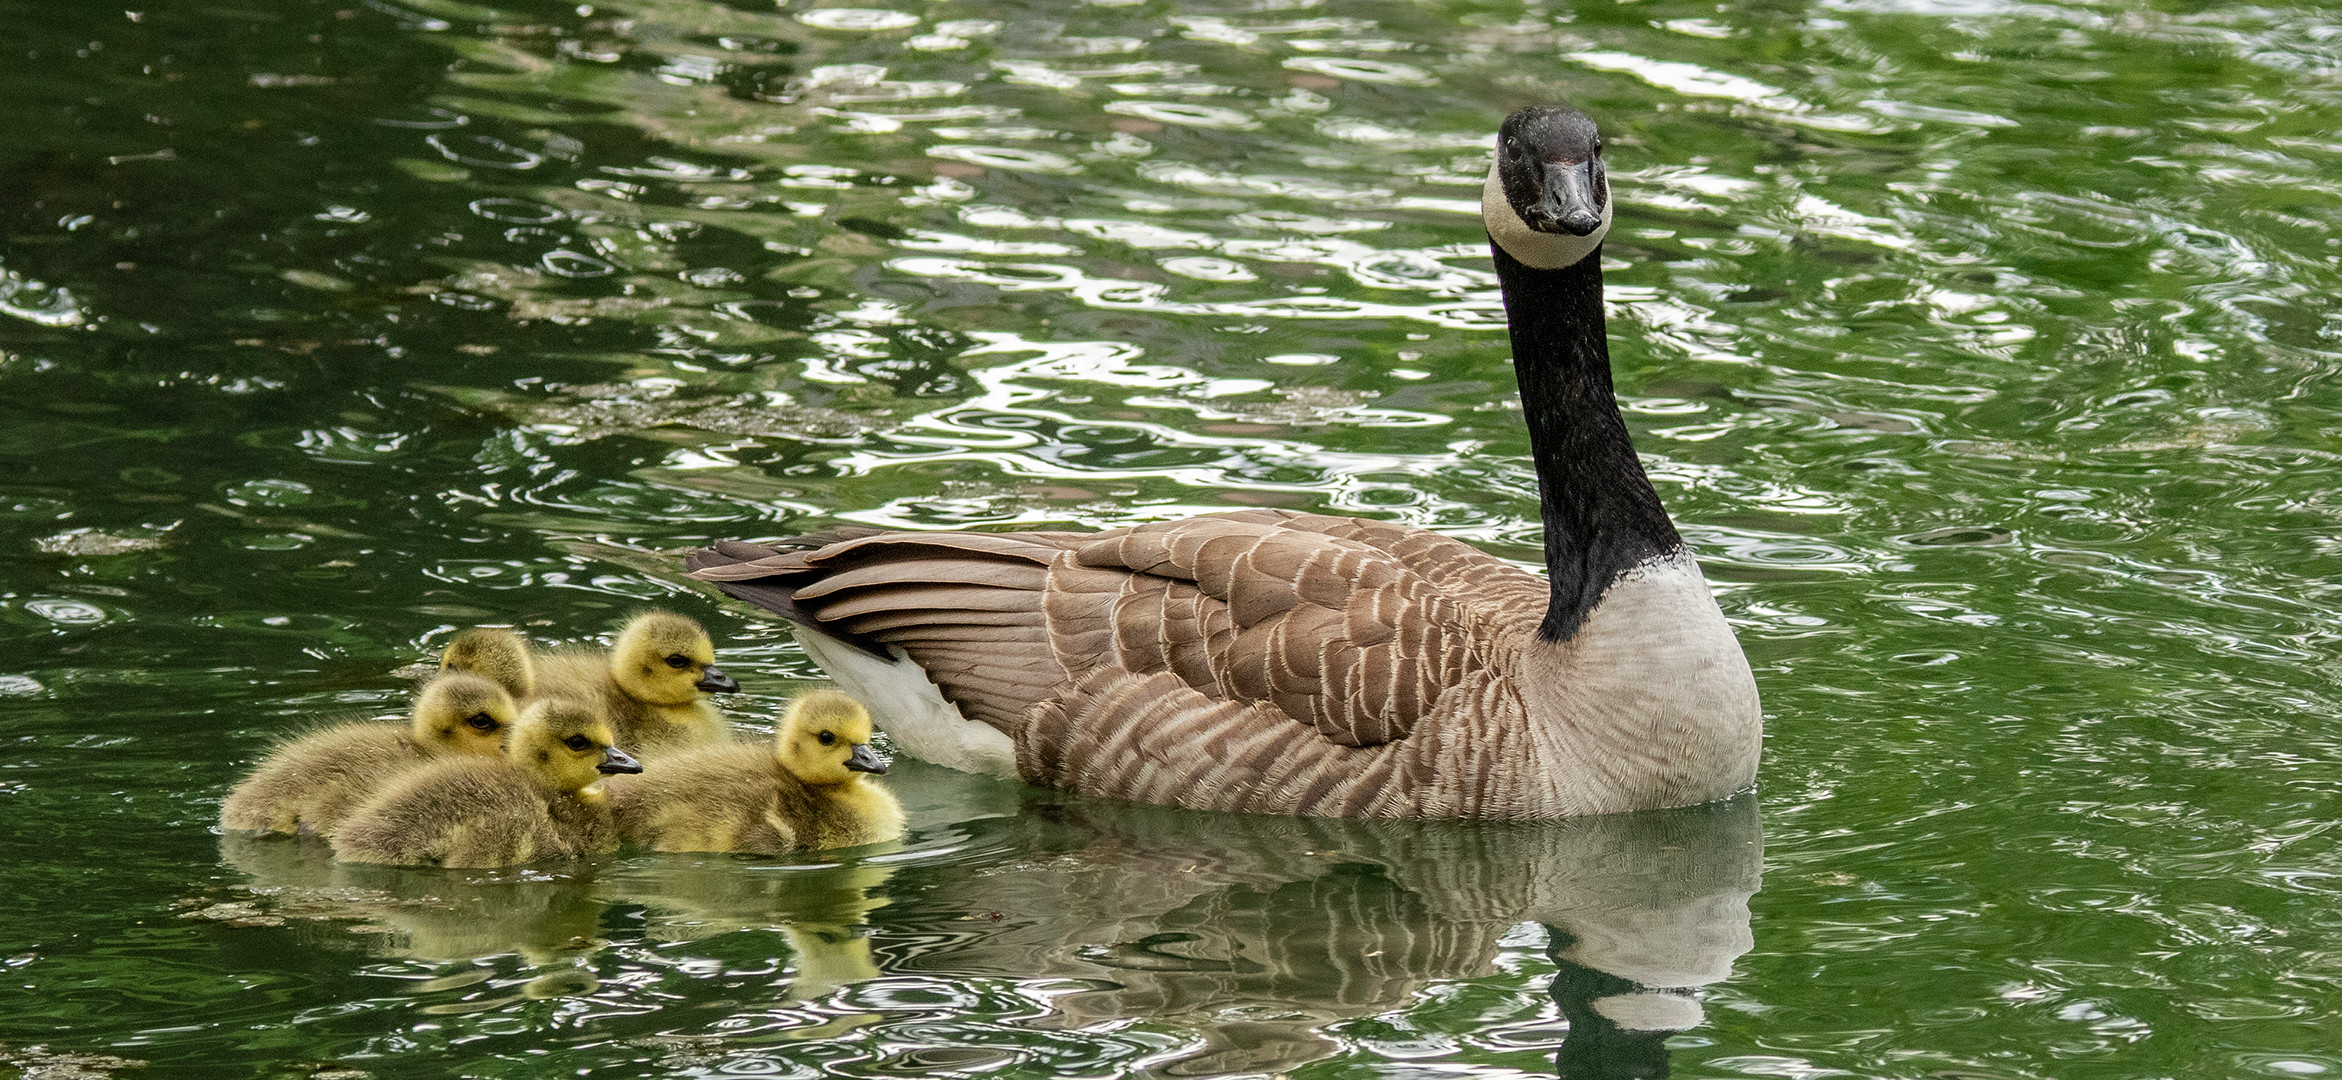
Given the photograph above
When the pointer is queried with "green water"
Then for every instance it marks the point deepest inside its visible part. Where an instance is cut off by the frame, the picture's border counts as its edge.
(1985, 351)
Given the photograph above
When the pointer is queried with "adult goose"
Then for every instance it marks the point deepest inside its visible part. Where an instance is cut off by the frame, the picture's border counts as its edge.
(1279, 662)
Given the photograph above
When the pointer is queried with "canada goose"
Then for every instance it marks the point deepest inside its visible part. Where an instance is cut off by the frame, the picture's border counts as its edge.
(311, 783)
(1295, 663)
(804, 793)
(538, 801)
(498, 654)
(652, 683)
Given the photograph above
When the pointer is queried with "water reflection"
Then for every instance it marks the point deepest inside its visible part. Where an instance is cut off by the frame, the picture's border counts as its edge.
(1263, 935)
(1985, 350)
(1261, 941)
(823, 911)
(545, 917)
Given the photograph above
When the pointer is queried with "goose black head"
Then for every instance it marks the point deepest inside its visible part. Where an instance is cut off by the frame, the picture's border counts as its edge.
(1547, 201)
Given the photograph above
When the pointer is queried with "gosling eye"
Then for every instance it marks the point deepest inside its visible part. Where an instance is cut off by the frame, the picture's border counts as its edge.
(827, 739)
(678, 661)
(578, 743)
(481, 721)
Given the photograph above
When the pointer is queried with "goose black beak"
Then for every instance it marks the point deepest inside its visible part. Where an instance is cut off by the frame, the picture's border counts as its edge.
(716, 682)
(1567, 202)
(863, 760)
(615, 760)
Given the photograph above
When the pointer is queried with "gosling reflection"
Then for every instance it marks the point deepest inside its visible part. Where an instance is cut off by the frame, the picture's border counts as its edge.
(443, 916)
(823, 903)
(1259, 933)
(430, 915)
(822, 910)
(1259, 936)
(558, 921)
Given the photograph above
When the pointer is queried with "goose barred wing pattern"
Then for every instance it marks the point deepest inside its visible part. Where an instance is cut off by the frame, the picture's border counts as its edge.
(1241, 652)
(1497, 590)
(1330, 632)
(1153, 738)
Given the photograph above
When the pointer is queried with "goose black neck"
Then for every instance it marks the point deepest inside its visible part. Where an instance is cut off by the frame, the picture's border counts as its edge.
(1601, 516)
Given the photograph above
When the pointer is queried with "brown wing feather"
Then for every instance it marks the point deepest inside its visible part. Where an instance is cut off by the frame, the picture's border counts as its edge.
(1310, 630)
(967, 607)
(1153, 738)
(1330, 632)
(1465, 574)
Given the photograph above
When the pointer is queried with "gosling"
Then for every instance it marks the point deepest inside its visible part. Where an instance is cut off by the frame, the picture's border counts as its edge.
(651, 684)
(498, 654)
(311, 783)
(805, 793)
(541, 800)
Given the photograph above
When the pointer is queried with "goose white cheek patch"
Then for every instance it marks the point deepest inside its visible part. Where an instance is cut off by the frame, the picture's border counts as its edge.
(1545, 251)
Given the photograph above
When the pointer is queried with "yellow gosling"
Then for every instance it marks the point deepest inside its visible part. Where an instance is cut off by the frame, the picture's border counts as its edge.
(310, 783)
(498, 654)
(541, 800)
(806, 792)
(653, 684)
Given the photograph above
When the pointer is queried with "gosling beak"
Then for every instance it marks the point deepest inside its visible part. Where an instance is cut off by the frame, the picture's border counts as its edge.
(716, 682)
(863, 760)
(1568, 202)
(615, 760)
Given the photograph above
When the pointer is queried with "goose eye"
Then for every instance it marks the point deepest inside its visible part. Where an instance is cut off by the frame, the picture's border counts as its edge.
(678, 661)
(481, 721)
(578, 743)
(827, 739)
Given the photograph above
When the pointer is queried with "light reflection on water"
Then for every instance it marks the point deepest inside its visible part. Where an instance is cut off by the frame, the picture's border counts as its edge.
(1984, 352)
(1236, 945)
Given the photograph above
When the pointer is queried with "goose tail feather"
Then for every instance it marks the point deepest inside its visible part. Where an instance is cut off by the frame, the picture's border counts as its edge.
(760, 574)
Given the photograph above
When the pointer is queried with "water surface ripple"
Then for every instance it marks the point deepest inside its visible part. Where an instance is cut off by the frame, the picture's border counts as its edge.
(1985, 352)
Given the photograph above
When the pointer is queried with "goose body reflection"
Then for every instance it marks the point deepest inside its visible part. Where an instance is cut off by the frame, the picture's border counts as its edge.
(1261, 932)
(1257, 938)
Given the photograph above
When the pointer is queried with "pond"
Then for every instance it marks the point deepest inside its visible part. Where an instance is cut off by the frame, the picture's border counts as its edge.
(1985, 351)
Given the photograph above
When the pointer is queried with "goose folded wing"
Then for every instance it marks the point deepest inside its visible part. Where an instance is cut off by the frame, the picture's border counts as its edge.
(1332, 633)
(1294, 624)
(1466, 575)
(1153, 738)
